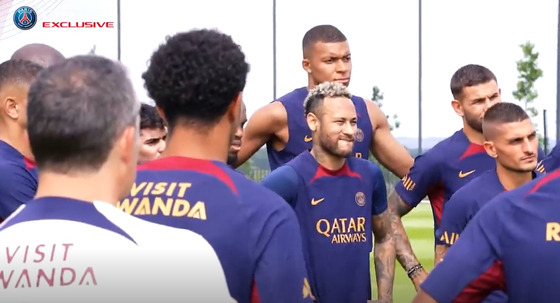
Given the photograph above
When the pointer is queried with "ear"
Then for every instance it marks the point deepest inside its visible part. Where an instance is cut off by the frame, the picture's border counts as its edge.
(490, 149)
(312, 122)
(234, 109)
(306, 64)
(11, 108)
(127, 145)
(457, 107)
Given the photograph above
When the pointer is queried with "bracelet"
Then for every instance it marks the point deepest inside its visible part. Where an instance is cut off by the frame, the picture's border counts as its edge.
(414, 269)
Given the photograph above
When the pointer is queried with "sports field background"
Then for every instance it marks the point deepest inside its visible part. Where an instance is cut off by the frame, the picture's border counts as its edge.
(419, 227)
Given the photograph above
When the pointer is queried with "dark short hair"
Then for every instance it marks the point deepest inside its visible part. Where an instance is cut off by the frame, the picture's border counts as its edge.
(501, 113)
(469, 75)
(505, 112)
(195, 76)
(322, 33)
(18, 72)
(76, 110)
(150, 118)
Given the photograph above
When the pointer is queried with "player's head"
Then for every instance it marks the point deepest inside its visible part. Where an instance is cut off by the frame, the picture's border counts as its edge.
(510, 137)
(326, 55)
(152, 134)
(15, 78)
(76, 128)
(331, 116)
(236, 144)
(196, 79)
(475, 89)
(38, 53)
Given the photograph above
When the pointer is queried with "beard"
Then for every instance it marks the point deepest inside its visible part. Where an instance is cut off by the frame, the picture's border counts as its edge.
(474, 123)
(330, 146)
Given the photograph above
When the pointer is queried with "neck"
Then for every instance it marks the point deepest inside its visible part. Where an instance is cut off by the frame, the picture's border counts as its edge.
(310, 84)
(473, 135)
(192, 143)
(512, 179)
(89, 187)
(16, 138)
(326, 160)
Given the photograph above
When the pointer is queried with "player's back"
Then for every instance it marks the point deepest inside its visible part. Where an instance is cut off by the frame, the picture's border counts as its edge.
(512, 243)
(249, 227)
(531, 241)
(334, 209)
(65, 250)
(299, 134)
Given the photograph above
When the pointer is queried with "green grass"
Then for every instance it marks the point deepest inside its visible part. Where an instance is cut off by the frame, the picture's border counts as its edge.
(419, 228)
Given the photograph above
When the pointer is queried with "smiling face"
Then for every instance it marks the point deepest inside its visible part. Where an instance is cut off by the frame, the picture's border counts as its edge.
(335, 126)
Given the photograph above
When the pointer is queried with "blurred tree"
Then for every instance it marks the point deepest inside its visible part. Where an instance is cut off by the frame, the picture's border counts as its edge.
(377, 97)
(529, 73)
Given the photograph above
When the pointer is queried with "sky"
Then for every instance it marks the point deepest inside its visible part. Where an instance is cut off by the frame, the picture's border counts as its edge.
(382, 34)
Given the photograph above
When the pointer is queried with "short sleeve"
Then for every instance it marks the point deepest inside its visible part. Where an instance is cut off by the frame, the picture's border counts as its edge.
(423, 175)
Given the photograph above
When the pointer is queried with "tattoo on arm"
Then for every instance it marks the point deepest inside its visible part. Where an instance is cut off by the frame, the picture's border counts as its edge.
(440, 252)
(404, 253)
(384, 256)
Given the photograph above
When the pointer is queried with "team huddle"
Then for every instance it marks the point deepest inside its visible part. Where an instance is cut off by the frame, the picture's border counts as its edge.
(105, 199)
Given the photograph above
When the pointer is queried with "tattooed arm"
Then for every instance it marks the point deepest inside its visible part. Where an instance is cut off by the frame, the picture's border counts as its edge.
(384, 256)
(440, 253)
(404, 253)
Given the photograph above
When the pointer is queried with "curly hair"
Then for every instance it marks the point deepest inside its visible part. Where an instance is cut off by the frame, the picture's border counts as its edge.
(317, 95)
(194, 76)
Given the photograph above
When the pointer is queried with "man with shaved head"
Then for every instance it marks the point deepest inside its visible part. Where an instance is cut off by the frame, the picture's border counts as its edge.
(18, 178)
(38, 53)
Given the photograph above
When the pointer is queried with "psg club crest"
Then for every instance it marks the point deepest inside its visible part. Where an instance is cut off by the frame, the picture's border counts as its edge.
(25, 18)
(360, 198)
(359, 135)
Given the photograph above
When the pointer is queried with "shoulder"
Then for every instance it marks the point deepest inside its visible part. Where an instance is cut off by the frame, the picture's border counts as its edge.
(146, 233)
(480, 182)
(445, 149)
(7, 165)
(366, 165)
(16, 171)
(258, 198)
(295, 96)
(271, 114)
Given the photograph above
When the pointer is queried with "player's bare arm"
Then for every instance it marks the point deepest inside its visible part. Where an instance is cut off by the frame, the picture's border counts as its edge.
(404, 254)
(384, 256)
(386, 149)
(441, 250)
(267, 123)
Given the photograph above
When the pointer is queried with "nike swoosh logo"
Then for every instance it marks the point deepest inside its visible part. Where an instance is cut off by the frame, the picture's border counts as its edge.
(462, 175)
(307, 139)
(315, 202)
